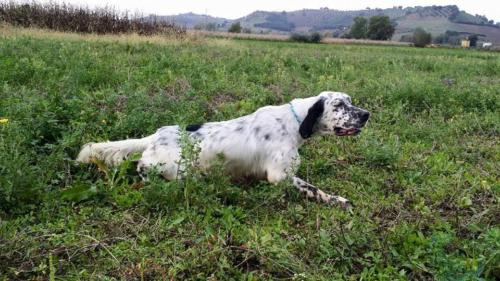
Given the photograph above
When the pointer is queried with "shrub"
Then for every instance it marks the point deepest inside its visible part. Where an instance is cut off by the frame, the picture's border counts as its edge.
(421, 38)
(235, 27)
(314, 37)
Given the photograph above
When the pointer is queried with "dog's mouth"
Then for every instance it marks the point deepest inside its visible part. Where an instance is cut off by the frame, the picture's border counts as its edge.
(346, 132)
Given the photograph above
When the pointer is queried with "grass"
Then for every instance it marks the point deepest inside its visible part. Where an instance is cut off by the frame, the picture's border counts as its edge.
(423, 176)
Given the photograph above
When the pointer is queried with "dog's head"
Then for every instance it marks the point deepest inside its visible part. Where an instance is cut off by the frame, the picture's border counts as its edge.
(333, 113)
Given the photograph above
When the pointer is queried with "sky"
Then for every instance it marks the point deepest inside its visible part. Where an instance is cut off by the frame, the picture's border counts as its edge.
(236, 9)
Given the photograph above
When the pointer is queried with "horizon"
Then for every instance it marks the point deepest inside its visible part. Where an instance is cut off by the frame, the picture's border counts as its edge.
(231, 10)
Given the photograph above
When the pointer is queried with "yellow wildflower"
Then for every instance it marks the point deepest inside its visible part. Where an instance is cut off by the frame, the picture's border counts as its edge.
(4, 120)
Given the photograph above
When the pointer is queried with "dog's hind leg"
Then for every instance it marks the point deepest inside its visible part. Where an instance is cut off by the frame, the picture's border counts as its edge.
(315, 193)
(165, 159)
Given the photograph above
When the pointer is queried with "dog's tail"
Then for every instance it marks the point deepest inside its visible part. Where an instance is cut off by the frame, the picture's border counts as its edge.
(114, 152)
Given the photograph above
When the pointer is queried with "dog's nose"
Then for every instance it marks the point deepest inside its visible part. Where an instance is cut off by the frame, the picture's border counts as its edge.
(364, 116)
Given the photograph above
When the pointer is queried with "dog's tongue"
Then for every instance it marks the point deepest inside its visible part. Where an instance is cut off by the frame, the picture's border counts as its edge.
(346, 132)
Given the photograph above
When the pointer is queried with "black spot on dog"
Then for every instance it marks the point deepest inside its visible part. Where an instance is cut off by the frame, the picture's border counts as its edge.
(196, 135)
(311, 188)
(142, 171)
(267, 136)
(193, 128)
(163, 141)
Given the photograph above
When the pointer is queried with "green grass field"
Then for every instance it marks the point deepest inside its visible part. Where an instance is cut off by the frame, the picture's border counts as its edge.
(423, 176)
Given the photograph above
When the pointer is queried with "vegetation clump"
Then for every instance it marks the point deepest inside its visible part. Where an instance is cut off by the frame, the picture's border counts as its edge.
(421, 38)
(235, 27)
(314, 37)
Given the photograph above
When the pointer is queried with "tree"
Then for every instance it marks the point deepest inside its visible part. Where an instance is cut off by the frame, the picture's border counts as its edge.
(359, 28)
(211, 26)
(315, 37)
(473, 40)
(421, 38)
(380, 28)
(235, 27)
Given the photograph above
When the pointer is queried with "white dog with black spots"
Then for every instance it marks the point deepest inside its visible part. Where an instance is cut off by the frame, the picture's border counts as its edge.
(263, 145)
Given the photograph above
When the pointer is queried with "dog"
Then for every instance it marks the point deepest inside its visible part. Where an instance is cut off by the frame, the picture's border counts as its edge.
(262, 145)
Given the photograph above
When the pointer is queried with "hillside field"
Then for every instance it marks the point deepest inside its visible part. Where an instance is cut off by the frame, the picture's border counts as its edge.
(423, 176)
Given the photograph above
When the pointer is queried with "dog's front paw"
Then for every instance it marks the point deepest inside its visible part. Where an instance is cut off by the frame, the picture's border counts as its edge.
(347, 206)
(341, 202)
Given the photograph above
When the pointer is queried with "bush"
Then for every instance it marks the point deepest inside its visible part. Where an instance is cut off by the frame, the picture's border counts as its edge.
(314, 37)
(235, 27)
(421, 38)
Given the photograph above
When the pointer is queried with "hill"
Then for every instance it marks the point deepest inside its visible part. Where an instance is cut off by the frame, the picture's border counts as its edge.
(435, 19)
(191, 20)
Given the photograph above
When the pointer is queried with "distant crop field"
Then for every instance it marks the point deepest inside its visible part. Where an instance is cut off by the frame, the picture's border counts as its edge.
(423, 176)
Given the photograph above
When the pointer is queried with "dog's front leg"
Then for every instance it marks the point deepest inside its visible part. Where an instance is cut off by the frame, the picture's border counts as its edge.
(315, 193)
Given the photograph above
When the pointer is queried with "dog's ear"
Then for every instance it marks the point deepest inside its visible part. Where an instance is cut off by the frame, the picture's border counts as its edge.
(314, 113)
